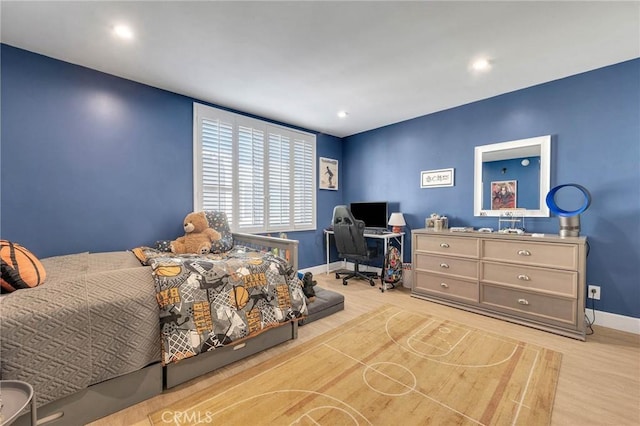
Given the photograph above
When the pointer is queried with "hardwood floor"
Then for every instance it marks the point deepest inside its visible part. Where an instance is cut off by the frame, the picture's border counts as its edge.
(599, 380)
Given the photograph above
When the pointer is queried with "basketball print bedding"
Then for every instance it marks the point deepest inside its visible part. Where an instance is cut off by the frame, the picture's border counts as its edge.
(213, 300)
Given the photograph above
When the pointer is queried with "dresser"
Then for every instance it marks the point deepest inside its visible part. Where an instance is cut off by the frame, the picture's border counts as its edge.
(534, 281)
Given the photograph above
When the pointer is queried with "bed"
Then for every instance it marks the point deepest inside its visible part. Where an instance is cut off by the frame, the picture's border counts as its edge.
(96, 333)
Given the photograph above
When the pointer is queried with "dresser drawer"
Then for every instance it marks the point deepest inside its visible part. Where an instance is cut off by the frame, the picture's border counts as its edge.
(444, 286)
(445, 244)
(559, 282)
(447, 265)
(536, 281)
(555, 255)
(538, 306)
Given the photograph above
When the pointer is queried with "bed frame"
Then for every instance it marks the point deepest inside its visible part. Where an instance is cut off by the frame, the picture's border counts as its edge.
(121, 392)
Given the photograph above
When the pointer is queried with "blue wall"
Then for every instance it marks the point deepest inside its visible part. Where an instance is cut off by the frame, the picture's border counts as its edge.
(594, 120)
(92, 162)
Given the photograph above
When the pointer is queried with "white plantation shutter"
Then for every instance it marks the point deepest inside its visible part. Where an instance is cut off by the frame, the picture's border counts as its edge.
(304, 183)
(279, 187)
(216, 164)
(261, 175)
(251, 194)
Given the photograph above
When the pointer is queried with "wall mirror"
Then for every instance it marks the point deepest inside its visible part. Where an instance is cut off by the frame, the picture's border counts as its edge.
(513, 175)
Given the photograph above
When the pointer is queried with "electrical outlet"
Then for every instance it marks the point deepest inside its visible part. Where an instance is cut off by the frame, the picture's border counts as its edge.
(594, 292)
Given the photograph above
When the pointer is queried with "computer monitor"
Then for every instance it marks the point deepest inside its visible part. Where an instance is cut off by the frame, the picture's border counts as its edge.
(373, 214)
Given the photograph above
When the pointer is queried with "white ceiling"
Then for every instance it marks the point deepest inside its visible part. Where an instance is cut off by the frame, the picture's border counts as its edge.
(301, 62)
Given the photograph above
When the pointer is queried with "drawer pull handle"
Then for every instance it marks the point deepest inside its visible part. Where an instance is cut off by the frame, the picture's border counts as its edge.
(523, 301)
(444, 265)
(523, 277)
(524, 252)
(444, 285)
(444, 245)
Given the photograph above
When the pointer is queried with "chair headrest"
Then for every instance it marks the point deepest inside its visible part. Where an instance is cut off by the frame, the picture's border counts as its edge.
(343, 216)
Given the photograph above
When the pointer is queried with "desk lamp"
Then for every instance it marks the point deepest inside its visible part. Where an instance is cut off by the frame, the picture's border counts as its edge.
(397, 222)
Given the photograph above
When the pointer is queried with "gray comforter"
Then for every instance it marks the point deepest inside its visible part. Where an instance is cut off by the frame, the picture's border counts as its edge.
(94, 318)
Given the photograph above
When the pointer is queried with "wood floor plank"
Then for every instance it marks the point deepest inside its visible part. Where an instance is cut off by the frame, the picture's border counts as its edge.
(376, 367)
(599, 382)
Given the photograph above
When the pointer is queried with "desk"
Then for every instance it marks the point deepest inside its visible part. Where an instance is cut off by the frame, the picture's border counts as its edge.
(399, 236)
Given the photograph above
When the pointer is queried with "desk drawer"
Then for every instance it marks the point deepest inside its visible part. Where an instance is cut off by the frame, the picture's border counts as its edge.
(446, 287)
(541, 307)
(447, 265)
(555, 255)
(559, 282)
(445, 244)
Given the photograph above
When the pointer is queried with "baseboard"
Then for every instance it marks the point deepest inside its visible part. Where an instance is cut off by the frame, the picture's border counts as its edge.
(603, 319)
(615, 321)
(322, 269)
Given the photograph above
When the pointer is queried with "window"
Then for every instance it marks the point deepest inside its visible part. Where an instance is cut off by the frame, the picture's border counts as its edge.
(261, 175)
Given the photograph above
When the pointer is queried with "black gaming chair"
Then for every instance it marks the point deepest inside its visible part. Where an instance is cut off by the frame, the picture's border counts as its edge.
(351, 244)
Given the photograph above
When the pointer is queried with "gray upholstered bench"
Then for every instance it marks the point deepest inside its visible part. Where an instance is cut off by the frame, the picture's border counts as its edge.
(327, 302)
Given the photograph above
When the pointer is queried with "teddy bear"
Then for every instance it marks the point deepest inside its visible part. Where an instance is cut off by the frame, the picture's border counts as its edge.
(198, 236)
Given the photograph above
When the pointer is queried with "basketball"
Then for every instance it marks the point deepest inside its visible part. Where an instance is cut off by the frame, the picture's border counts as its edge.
(168, 270)
(20, 268)
(239, 297)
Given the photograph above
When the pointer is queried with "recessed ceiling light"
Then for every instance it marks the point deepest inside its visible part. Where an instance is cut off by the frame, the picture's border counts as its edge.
(481, 65)
(343, 114)
(123, 31)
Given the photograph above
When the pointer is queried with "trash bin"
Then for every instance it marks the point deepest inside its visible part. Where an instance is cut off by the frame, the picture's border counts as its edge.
(407, 276)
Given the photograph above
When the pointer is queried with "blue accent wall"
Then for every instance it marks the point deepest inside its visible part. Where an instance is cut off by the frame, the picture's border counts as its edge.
(93, 162)
(594, 120)
(312, 243)
(90, 162)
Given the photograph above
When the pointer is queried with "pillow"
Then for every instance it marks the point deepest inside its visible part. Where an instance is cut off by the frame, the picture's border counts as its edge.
(218, 221)
(20, 268)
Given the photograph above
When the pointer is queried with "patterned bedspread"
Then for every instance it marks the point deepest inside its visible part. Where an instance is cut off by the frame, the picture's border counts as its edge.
(210, 301)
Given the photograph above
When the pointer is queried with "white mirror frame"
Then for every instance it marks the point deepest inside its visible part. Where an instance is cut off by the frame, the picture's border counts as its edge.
(514, 147)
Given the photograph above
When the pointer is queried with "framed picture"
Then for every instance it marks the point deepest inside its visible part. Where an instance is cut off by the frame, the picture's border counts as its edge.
(328, 174)
(436, 178)
(503, 194)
